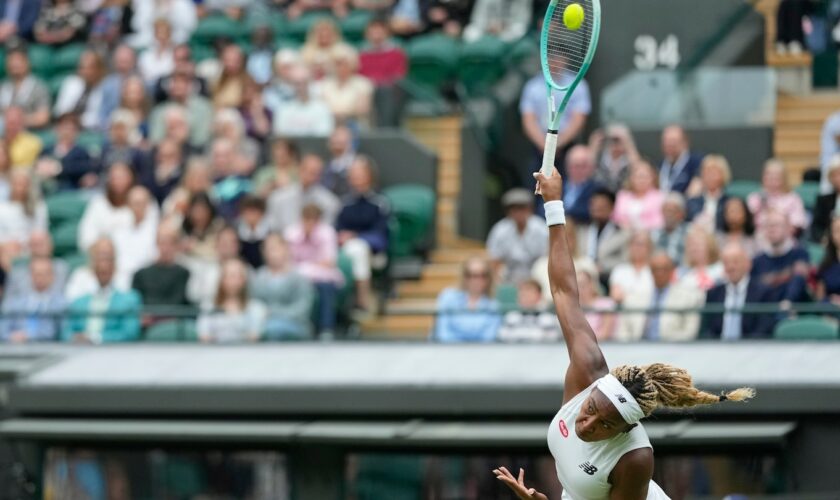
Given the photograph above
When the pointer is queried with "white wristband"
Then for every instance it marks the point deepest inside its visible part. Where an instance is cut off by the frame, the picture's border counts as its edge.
(555, 213)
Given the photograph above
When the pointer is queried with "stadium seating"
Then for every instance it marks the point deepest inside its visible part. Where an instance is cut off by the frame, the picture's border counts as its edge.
(414, 208)
(65, 59)
(41, 60)
(64, 207)
(808, 191)
(481, 64)
(506, 296)
(742, 188)
(389, 476)
(353, 26)
(432, 60)
(217, 26)
(172, 331)
(806, 328)
(65, 238)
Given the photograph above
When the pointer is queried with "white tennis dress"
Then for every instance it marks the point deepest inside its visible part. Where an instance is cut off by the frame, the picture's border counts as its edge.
(584, 468)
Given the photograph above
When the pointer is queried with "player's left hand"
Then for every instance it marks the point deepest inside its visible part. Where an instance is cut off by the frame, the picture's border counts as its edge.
(518, 484)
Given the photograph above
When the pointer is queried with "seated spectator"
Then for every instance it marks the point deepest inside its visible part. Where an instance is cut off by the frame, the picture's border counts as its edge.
(342, 150)
(671, 238)
(827, 206)
(229, 183)
(634, 276)
(507, 20)
(829, 146)
(602, 241)
(40, 247)
(122, 143)
(201, 228)
(468, 313)
(578, 185)
(532, 322)
(83, 281)
(407, 18)
(228, 125)
(737, 290)
(790, 35)
(107, 212)
(518, 240)
(205, 270)
(22, 89)
(257, 118)
(362, 225)
(380, 60)
(234, 9)
(228, 90)
(197, 110)
(702, 268)
(108, 313)
(261, 55)
(828, 272)
(776, 195)
(314, 248)
(164, 175)
(639, 205)
(539, 271)
(666, 294)
(253, 230)
(304, 116)
(158, 60)
(283, 170)
(60, 22)
(285, 205)
(281, 89)
(83, 93)
(782, 265)
(679, 165)
(287, 293)
(615, 151)
(181, 15)
(21, 214)
(109, 22)
(196, 180)
(234, 316)
(182, 55)
(18, 18)
(68, 163)
(299, 7)
(32, 314)
(163, 282)
(448, 16)
(348, 94)
(23, 146)
(706, 209)
(135, 244)
(599, 309)
(738, 226)
(123, 66)
(134, 99)
(323, 43)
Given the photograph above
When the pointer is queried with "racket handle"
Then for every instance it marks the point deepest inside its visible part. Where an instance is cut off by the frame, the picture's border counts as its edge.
(549, 153)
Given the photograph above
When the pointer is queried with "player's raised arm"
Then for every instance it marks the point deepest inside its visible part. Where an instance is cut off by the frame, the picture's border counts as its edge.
(587, 361)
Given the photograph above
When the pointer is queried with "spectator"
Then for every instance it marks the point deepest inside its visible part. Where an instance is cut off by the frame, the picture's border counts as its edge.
(449, 16)
(83, 93)
(468, 313)
(110, 20)
(21, 214)
(253, 230)
(362, 225)
(32, 314)
(281, 88)
(776, 195)
(40, 246)
(615, 152)
(228, 125)
(828, 272)
(671, 238)
(135, 243)
(285, 205)
(122, 144)
(107, 314)
(23, 146)
(164, 175)
(783, 265)
(108, 211)
(518, 240)
(197, 109)
(407, 18)
(163, 282)
(639, 205)
(702, 269)
(134, 99)
(707, 208)
(378, 6)
(261, 55)
(323, 43)
(304, 115)
(531, 322)
(181, 15)
(342, 149)
(599, 308)
(18, 18)
(234, 316)
(579, 184)
(123, 66)
(314, 248)
(348, 94)
(201, 228)
(737, 290)
(602, 240)
(829, 146)
(790, 36)
(230, 184)
(196, 180)
(230, 87)
(283, 170)
(667, 325)
(507, 20)
(24, 90)
(5, 168)
(182, 55)
(256, 116)
(158, 60)
(634, 276)
(68, 163)
(60, 22)
(380, 60)
(299, 7)
(827, 205)
(205, 270)
(679, 165)
(234, 9)
(738, 226)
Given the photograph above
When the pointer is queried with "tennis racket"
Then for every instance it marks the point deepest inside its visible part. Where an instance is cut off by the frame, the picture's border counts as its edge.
(565, 55)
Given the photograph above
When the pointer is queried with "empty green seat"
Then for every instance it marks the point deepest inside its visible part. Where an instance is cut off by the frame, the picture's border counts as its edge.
(507, 296)
(54, 84)
(218, 26)
(432, 60)
(816, 252)
(413, 206)
(808, 192)
(806, 328)
(395, 477)
(41, 60)
(47, 136)
(65, 239)
(66, 59)
(742, 189)
(92, 142)
(172, 331)
(481, 64)
(65, 207)
(353, 26)
(75, 260)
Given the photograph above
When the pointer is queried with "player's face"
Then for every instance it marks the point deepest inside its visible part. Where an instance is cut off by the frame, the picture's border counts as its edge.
(598, 419)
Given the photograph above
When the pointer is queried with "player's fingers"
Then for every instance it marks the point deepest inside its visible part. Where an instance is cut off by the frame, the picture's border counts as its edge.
(522, 476)
(531, 492)
(555, 172)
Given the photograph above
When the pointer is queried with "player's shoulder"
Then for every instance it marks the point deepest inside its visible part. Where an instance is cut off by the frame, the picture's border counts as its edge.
(633, 468)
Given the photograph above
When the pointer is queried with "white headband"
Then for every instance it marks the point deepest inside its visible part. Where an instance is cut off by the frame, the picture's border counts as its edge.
(621, 398)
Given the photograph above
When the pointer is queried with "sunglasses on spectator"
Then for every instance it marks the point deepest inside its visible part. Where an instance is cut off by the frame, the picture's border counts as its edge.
(482, 274)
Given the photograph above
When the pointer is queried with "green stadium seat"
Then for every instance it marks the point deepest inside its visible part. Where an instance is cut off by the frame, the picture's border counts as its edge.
(217, 26)
(172, 331)
(47, 136)
(481, 64)
(201, 52)
(353, 26)
(816, 252)
(742, 189)
(65, 207)
(432, 60)
(65, 240)
(413, 206)
(41, 60)
(54, 84)
(345, 265)
(66, 59)
(75, 260)
(522, 50)
(806, 328)
(286, 42)
(297, 29)
(808, 192)
(507, 296)
(92, 142)
(2, 63)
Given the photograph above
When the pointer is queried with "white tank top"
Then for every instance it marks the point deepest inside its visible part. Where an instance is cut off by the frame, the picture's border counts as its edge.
(584, 468)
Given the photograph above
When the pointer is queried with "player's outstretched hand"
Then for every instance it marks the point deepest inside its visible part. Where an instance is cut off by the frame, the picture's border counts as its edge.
(550, 187)
(518, 484)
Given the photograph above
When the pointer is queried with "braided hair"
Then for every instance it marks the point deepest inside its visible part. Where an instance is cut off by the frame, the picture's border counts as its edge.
(664, 386)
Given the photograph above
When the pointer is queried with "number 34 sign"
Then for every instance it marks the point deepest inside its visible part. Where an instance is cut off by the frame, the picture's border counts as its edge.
(651, 54)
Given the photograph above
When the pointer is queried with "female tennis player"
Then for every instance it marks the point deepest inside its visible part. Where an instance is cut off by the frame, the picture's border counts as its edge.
(600, 449)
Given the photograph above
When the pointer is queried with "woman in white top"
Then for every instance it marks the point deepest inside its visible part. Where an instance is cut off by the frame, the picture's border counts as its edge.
(82, 93)
(601, 451)
(702, 268)
(108, 212)
(234, 317)
(348, 94)
(21, 214)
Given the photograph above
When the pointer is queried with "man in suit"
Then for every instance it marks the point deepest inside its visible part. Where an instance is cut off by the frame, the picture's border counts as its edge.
(679, 165)
(602, 241)
(108, 314)
(17, 18)
(826, 207)
(666, 294)
(736, 290)
(579, 183)
(31, 314)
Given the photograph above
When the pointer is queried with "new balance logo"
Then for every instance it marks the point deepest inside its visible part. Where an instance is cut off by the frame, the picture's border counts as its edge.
(588, 468)
(621, 398)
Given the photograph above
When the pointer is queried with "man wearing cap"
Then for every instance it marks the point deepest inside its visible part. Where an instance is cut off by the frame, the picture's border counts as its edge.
(519, 239)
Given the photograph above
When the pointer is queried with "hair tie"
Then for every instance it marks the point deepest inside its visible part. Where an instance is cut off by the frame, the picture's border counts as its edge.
(723, 398)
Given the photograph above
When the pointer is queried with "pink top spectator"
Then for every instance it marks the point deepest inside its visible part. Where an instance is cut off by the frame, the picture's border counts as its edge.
(315, 255)
(637, 212)
(598, 319)
(787, 203)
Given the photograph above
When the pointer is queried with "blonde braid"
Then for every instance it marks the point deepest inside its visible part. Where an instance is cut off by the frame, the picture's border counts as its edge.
(664, 386)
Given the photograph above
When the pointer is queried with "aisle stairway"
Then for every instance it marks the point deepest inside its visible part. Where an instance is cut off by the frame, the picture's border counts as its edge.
(799, 120)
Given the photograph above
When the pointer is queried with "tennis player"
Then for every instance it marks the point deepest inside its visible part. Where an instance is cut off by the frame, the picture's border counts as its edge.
(600, 449)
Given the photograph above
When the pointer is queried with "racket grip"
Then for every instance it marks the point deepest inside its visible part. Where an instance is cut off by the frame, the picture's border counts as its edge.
(549, 153)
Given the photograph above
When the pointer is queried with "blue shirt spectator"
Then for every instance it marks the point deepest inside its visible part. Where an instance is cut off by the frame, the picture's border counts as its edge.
(784, 265)
(532, 107)
(468, 314)
(32, 314)
(67, 161)
(18, 17)
(829, 146)
(579, 183)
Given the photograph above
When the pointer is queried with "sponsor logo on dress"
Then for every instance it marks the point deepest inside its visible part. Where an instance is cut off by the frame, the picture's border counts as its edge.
(588, 468)
(563, 429)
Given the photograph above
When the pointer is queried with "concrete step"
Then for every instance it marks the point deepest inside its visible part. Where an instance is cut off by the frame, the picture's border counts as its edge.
(800, 116)
(412, 306)
(454, 255)
(415, 326)
(787, 147)
(424, 289)
(830, 100)
(438, 271)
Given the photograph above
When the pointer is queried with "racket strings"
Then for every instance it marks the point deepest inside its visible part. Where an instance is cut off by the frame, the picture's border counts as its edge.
(566, 50)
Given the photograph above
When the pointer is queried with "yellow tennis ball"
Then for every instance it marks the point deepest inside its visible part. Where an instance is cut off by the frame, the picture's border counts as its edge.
(573, 16)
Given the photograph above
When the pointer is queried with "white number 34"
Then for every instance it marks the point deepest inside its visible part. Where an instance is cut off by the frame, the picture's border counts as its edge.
(650, 54)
